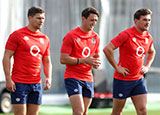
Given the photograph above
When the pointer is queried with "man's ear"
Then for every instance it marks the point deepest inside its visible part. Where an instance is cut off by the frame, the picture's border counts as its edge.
(83, 18)
(135, 20)
(29, 17)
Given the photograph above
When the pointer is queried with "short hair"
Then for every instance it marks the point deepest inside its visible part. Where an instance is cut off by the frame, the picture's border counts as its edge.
(34, 10)
(142, 12)
(90, 10)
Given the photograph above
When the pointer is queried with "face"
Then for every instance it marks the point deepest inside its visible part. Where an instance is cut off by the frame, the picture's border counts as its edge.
(90, 22)
(143, 23)
(37, 20)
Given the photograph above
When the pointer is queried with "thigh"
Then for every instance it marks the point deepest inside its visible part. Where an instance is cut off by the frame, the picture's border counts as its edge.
(35, 96)
(87, 102)
(118, 105)
(77, 102)
(32, 109)
(19, 109)
(139, 101)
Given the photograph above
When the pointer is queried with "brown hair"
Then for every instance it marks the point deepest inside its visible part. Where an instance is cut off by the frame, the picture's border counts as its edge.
(90, 10)
(142, 12)
(34, 10)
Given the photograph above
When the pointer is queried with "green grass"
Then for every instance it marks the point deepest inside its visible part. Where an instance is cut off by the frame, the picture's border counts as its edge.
(153, 109)
(155, 112)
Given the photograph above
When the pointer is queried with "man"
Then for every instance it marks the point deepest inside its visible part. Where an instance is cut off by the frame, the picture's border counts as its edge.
(133, 43)
(80, 52)
(29, 47)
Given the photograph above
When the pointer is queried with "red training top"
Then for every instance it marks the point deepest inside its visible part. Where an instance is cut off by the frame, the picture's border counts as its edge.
(29, 48)
(79, 44)
(133, 47)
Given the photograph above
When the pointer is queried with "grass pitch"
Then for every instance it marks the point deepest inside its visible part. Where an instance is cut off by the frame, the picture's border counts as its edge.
(153, 109)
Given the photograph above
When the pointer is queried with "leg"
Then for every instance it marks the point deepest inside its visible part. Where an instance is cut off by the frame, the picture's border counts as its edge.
(118, 105)
(140, 102)
(87, 103)
(19, 109)
(77, 104)
(33, 109)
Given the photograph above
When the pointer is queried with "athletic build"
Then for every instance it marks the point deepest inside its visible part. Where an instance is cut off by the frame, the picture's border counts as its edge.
(80, 52)
(29, 47)
(133, 43)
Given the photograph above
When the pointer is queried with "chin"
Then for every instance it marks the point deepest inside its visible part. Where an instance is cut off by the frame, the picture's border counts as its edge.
(38, 27)
(91, 28)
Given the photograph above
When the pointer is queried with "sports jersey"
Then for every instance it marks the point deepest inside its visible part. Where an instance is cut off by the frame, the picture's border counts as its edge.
(29, 47)
(79, 44)
(133, 47)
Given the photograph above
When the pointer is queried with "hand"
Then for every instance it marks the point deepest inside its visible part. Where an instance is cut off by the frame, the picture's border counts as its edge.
(10, 85)
(122, 70)
(47, 84)
(144, 70)
(96, 64)
(92, 60)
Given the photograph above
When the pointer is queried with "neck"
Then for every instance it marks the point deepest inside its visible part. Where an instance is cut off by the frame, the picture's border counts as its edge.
(84, 29)
(140, 30)
(31, 28)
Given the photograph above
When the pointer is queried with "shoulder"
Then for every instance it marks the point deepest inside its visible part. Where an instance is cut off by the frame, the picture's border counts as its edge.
(18, 31)
(71, 34)
(73, 31)
(128, 31)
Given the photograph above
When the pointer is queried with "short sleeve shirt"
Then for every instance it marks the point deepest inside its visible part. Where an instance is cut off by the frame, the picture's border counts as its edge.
(29, 48)
(80, 45)
(133, 47)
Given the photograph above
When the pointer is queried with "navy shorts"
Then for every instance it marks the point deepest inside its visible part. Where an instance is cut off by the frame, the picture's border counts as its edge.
(27, 93)
(75, 86)
(124, 89)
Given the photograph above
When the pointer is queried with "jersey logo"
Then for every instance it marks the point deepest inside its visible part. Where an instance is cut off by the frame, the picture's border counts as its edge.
(134, 39)
(34, 50)
(26, 38)
(146, 40)
(93, 40)
(86, 52)
(78, 40)
(140, 51)
(41, 40)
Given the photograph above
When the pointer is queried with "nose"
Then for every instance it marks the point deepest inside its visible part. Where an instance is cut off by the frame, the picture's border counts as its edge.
(94, 23)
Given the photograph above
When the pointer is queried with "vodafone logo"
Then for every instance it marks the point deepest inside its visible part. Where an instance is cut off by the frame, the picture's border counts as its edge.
(140, 51)
(86, 52)
(34, 48)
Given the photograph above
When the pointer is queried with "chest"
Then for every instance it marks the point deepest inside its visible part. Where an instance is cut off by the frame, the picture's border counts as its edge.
(85, 46)
(31, 44)
(137, 45)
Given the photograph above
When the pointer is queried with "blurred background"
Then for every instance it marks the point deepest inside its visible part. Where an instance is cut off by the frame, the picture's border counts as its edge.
(64, 15)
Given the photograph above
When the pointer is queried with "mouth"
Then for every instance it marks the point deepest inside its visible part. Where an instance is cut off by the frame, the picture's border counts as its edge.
(91, 27)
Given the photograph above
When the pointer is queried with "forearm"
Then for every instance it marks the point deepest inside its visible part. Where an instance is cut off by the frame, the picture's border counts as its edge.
(110, 56)
(150, 59)
(90, 60)
(6, 67)
(67, 59)
(47, 68)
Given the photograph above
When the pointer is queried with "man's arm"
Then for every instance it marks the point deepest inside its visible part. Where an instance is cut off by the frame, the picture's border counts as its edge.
(7, 68)
(90, 60)
(150, 58)
(108, 51)
(47, 68)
